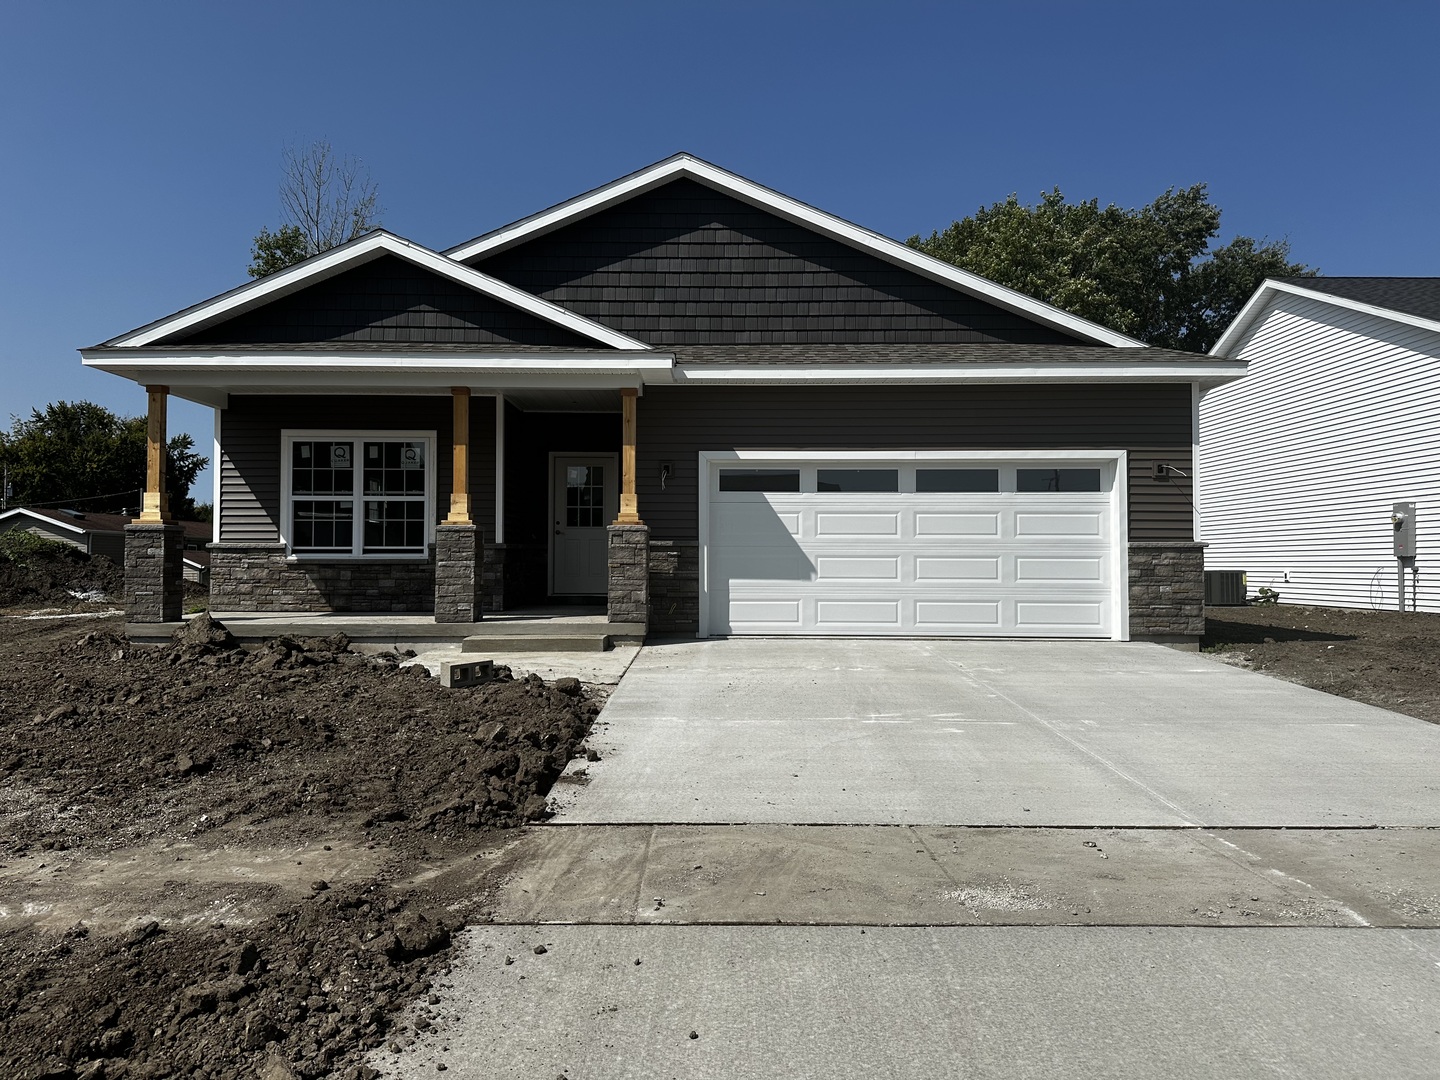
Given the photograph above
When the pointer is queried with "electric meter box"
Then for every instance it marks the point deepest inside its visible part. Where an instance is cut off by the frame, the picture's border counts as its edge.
(1402, 516)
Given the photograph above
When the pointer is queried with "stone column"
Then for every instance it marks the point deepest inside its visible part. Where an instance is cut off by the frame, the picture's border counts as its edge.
(629, 595)
(154, 572)
(457, 574)
(1167, 592)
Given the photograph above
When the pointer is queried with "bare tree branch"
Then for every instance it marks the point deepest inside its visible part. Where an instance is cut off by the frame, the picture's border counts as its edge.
(330, 200)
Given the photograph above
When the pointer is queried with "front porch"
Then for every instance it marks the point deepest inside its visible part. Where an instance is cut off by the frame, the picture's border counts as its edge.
(540, 489)
(567, 628)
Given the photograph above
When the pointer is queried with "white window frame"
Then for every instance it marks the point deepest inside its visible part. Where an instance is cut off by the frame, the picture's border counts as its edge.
(290, 436)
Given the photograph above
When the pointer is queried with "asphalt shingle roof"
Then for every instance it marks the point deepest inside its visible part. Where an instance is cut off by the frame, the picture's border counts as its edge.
(1418, 296)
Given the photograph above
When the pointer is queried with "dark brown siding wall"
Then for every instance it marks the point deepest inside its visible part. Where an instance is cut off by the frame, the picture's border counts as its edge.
(1151, 422)
(387, 299)
(250, 452)
(685, 264)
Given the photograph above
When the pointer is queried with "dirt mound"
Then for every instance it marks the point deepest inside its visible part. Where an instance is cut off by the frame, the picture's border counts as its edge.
(104, 745)
(299, 995)
(53, 574)
(203, 734)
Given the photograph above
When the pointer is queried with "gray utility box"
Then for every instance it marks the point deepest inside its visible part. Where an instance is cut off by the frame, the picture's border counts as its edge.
(1225, 588)
(1402, 516)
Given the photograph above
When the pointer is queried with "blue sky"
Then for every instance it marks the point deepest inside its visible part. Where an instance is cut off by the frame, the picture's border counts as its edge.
(140, 143)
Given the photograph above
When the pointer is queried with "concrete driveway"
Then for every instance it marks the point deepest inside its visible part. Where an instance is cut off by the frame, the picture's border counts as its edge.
(992, 733)
(774, 872)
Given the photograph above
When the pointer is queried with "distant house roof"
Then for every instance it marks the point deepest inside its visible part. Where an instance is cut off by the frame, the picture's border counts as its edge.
(1412, 295)
(82, 521)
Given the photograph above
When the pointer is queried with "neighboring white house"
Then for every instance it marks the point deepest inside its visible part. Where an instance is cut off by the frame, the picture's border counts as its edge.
(1337, 418)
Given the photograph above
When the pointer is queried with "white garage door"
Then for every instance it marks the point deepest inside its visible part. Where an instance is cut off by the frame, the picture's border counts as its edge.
(1007, 548)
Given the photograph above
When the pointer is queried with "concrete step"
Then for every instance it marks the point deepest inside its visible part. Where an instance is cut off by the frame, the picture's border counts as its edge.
(501, 643)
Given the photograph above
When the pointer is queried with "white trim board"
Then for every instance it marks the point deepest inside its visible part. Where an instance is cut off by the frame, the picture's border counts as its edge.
(1117, 460)
(337, 260)
(856, 236)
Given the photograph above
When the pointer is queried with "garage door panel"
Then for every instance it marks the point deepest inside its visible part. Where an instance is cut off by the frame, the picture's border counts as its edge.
(946, 524)
(957, 616)
(1031, 524)
(840, 525)
(751, 523)
(1055, 617)
(931, 568)
(775, 615)
(1052, 568)
(846, 615)
(853, 568)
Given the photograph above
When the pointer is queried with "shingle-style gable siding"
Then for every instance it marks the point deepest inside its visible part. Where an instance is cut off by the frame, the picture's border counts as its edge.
(685, 264)
(387, 300)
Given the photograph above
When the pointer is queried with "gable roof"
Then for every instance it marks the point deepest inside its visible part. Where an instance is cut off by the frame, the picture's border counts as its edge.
(1411, 301)
(327, 264)
(687, 166)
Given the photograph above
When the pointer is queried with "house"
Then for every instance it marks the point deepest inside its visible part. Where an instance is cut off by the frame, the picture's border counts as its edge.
(1337, 420)
(104, 534)
(712, 407)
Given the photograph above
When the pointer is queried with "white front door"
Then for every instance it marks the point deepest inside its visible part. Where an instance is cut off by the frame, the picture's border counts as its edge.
(584, 502)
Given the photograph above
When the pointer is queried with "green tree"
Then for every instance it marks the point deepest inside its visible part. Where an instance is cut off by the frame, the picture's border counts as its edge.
(325, 200)
(1149, 273)
(270, 252)
(81, 453)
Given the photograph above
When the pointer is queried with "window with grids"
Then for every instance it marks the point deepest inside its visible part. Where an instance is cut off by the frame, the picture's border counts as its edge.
(359, 495)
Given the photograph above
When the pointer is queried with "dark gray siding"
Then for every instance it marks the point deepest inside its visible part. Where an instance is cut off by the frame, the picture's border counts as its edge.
(685, 264)
(250, 452)
(1151, 422)
(387, 300)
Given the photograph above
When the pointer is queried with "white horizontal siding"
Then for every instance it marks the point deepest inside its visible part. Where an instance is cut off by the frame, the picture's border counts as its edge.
(1337, 418)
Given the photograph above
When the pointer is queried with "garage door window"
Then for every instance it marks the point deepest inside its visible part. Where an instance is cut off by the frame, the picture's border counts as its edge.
(1059, 480)
(858, 480)
(957, 480)
(759, 479)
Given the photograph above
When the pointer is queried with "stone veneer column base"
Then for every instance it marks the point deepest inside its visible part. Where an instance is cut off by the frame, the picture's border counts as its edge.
(1167, 592)
(628, 600)
(457, 574)
(492, 577)
(675, 587)
(154, 573)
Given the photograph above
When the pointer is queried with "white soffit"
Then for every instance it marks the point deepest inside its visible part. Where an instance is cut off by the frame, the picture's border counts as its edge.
(1209, 372)
(686, 165)
(1256, 307)
(348, 256)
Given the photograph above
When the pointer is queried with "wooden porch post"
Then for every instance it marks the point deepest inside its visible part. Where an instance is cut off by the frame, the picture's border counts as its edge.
(629, 506)
(155, 509)
(460, 483)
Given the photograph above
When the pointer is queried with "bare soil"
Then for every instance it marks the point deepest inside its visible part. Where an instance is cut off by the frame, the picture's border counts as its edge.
(1385, 658)
(218, 862)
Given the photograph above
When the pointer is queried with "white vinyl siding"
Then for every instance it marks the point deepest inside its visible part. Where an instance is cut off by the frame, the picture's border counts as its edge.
(1337, 418)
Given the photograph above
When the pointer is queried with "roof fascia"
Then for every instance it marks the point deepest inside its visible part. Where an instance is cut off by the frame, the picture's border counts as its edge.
(1236, 333)
(846, 232)
(327, 264)
(1211, 372)
(44, 518)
